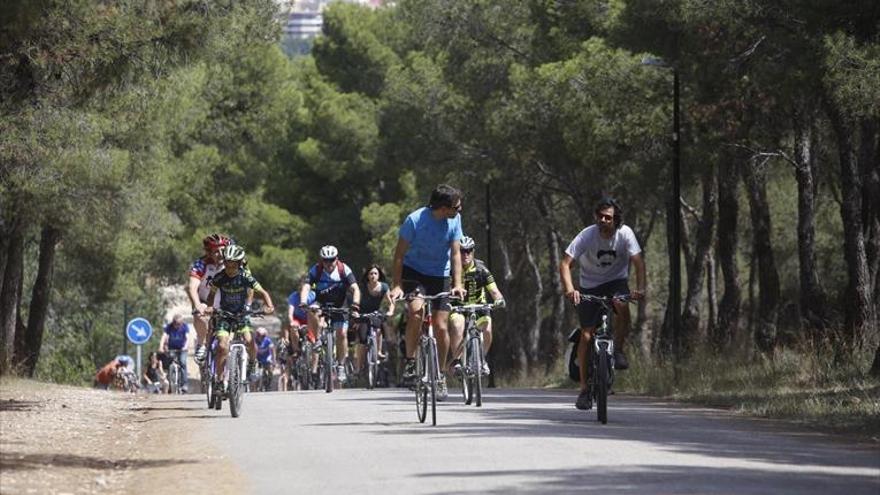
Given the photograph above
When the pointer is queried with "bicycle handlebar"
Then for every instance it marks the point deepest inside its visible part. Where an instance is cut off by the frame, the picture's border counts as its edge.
(473, 308)
(607, 300)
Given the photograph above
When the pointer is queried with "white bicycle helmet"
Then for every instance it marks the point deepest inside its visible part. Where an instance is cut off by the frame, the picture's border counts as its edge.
(467, 243)
(329, 252)
(233, 253)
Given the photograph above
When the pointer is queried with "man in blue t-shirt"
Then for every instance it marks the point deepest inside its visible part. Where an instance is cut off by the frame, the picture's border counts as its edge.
(299, 319)
(175, 337)
(427, 253)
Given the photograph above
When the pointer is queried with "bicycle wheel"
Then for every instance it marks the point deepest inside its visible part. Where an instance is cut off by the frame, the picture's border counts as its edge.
(466, 389)
(207, 381)
(601, 385)
(421, 386)
(434, 372)
(173, 378)
(478, 371)
(235, 382)
(372, 364)
(328, 362)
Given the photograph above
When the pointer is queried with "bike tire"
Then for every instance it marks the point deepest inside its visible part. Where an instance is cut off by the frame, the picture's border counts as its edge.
(235, 383)
(329, 365)
(601, 386)
(478, 372)
(174, 379)
(467, 390)
(435, 377)
(421, 387)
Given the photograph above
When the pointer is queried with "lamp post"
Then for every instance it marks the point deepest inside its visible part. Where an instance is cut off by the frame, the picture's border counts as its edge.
(673, 211)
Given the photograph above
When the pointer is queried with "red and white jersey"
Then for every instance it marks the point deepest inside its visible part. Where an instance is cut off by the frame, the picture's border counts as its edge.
(204, 269)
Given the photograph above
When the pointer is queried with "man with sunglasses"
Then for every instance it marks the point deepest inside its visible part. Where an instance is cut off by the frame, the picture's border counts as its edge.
(604, 252)
(427, 254)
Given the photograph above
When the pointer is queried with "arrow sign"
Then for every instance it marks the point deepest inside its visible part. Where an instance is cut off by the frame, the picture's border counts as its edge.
(138, 331)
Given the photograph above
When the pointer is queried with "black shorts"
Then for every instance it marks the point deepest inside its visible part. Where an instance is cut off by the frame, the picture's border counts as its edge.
(429, 285)
(590, 313)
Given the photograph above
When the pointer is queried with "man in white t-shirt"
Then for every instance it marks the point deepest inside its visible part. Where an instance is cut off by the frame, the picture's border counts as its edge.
(604, 252)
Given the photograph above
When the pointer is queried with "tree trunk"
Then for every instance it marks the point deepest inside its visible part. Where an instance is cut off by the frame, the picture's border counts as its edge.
(858, 300)
(755, 179)
(712, 295)
(690, 320)
(552, 332)
(532, 334)
(812, 299)
(869, 158)
(666, 340)
(10, 295)
(40, 299)
(728, 237)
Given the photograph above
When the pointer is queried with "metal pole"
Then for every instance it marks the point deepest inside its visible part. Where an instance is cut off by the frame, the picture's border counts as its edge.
(139, 362)
(124, 324)
(675, 209)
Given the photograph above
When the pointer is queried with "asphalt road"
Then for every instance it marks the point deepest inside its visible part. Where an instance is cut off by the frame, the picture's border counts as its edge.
(520, 441)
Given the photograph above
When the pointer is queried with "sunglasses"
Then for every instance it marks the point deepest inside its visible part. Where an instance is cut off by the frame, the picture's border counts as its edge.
(467, 251)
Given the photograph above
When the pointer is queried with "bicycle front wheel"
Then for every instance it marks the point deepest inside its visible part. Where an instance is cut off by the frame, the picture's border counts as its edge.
(372, 364)
(478, 371)
(235, 382)
(173, 378)
(601, 386)
(434, 378)
(329, 365)
(421, 385)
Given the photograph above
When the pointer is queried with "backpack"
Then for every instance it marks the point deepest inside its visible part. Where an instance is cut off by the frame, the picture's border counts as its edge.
(340, 267)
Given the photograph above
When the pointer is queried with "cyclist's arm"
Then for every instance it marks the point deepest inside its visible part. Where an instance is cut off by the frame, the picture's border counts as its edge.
(355, 294)
(455, 259)
(565, 274)
(192, 291)
(212, 291)
(290, 314)
(163, 343)
(641, 279)
(266, 297)
(495, 293)
(304, 293)
(397, 268)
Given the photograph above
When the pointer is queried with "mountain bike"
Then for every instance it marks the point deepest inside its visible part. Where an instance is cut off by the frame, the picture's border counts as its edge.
(327, 367)
(601, 362)
(427, 361)
(374, 322)
(264, 383)
(233, 387)
(175, 372)
(472, 353)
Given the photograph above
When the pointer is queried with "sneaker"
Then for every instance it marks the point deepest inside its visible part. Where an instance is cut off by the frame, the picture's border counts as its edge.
(340, 373)
(409, 369)
(485, 369)
(201, 353)
(620, 362)
(442, 392)
(584, 401)
(456, 367)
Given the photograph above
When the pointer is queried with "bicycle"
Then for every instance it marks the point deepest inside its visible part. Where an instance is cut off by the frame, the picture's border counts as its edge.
(328, 338)
(374, 320)
(427, 361)
(264, 382)
(472, 353)
(236, 363)
(175, 372)
(601, 364)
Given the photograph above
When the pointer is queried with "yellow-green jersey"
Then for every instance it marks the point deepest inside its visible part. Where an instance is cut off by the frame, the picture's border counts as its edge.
(477, 281)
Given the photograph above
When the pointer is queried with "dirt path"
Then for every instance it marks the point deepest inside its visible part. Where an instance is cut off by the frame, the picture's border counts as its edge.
(58, 440)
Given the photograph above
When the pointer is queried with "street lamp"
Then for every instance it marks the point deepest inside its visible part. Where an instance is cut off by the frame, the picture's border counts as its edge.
(674, 210)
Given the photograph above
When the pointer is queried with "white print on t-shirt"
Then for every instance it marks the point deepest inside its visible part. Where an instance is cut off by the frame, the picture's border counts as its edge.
(603, 260)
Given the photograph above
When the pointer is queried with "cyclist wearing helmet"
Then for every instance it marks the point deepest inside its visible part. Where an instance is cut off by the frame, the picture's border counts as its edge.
(427, 253)
(265, 348)
(200, 274)
(332, 280)
(604, 252)
(477, 281)
(236, 287)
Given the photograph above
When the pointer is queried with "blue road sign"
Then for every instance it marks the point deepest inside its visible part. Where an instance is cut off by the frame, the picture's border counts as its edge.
(138, 331)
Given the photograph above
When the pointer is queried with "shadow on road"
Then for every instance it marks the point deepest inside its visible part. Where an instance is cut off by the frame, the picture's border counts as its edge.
(13, 461)
(19, 405)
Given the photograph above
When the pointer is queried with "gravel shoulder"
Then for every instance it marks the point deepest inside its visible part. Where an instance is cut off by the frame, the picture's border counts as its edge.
(67, 440)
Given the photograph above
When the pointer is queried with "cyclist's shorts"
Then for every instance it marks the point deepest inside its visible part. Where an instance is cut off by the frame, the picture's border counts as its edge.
(307, 333)
(482, 320)
(589, 313)
(413, 279)
(222, 327)
(299, 323)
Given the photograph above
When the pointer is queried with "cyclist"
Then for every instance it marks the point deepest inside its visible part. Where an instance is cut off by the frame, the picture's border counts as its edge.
(427, 253)
(374, 291)
(174, 338)
(104, 377)
(332, 281)
(604, 252)
(477, 281)
(298, 318)
(236, 286)
(200, 274)
(155, 379)
(265, 349)
(285, 357)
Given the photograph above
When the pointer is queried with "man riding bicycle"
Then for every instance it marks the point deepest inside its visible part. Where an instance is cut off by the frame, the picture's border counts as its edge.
(332, 281)
(236, 287)
(175, 337)
(298, 318)
(477, 281)
(427, 253)
(604, 252)
(200, 274)
(265, 348)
